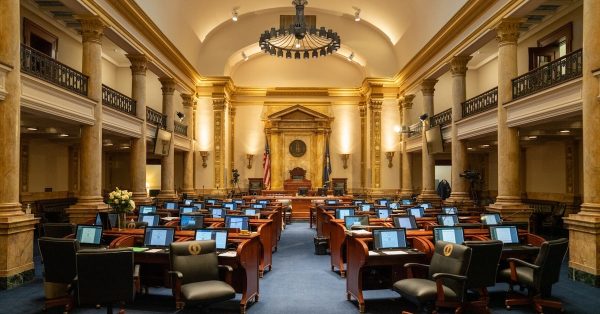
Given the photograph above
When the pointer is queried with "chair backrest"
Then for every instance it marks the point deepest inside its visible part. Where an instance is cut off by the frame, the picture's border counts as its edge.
(196, 260)
(452, 259)
(58, 256)
(58, 230)
(105, 276)
(485, 257)
(550, 259)
(136, 225)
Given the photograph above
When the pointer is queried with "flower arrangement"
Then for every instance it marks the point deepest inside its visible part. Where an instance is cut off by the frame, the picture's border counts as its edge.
(120, 201)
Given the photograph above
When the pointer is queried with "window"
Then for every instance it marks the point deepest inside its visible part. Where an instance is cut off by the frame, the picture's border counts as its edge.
(39, 39)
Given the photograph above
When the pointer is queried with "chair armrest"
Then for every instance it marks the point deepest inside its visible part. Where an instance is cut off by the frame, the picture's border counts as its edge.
(225, 272)
(439, 284)
(225, 267)
(136, 278)
(410, 266)
(176, 278)
(136, 271)
(513, 267)
(175, 274)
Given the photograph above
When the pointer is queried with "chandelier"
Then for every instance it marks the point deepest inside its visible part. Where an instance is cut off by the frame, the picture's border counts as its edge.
(298, 40)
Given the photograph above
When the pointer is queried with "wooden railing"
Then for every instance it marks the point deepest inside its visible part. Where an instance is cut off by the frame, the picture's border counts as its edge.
(116, 100)
(558, 71)
(443, 118)
(181, 129)
(415, 129)
(155, 117)
(43, 67)
(480, 103)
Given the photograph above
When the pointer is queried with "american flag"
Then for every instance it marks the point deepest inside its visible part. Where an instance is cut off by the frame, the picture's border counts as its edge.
(267, 166)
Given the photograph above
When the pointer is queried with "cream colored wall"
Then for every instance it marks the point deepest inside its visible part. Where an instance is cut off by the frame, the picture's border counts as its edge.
(48, 166)
(546, 172)
(417, 107)
(345, 139)
(390, 141)
(249, 139)
(486, 78)
(443, 173)
(205, 140)
(153, 178)
(123, 80)
(153, 92)
(118, 173)
(442, 97)
(417, 175)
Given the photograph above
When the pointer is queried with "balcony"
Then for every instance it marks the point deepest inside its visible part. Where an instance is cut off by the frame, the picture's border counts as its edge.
(442, 119)
(415, 129)
(181, 129)
(480, 103)
(118, 101)
(155, 117)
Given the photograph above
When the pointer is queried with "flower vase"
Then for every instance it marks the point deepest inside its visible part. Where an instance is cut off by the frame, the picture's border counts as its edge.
(122, 220)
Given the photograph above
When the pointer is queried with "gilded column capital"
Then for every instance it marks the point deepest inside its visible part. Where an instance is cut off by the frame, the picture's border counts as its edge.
(92, 28)
(428, 86)
(139, 63)
(168, 85)
(219, 104)
(375, 104)
(187, 100)
(458, 65)
(507, 31)
(408, 101)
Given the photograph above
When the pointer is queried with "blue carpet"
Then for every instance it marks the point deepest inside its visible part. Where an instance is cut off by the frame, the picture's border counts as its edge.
(300, 282)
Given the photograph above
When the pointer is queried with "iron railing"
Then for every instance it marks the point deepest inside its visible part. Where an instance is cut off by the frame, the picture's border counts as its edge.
(43, 67)
(415, 129)
(156, 117)
(480, 103)
(558, 71)
(443, 118)
(181, 129)
(116, 100)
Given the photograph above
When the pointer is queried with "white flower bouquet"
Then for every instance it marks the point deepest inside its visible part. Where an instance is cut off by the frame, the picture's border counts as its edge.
(120, 201)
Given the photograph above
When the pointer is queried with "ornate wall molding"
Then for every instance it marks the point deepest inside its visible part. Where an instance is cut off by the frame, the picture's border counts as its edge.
(375, 134)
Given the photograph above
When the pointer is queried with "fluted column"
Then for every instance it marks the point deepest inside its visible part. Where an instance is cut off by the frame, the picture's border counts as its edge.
(219, 137)
(407, 186)
(139, 65)
(231, 141)
(188, 156)
(167, 174)
(428, 161)
(584, 227)
(458, 68)
(16, 227)
(90, 190)
(375, 134)
(508, 201)
(362, 107)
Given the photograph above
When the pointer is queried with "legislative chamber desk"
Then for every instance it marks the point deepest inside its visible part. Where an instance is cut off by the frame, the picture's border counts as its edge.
(301, 204)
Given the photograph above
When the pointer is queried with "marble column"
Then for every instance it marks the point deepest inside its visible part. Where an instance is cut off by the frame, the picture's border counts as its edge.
(460, 186)
(219, 105)
(375, 135)
(231, 143)
(508, 202)
(188, 156)
(167, 173)
(407, 186)
(16, 227)
(90, 190)
(362, 107)
(584, 227)
(428, 193)
(139, 65)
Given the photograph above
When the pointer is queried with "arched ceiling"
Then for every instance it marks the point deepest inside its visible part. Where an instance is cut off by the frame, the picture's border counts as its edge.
(390, 33)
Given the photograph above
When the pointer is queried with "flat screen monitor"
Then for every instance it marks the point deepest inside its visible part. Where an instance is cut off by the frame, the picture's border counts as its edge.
(418, 212)
(447, 220)
(491, 219)
(383, 202)
(435, 143)
(151, 219)
(217, 212)
(449, 234)
(147, 209)
(187, 209)
(393, 205)
(352, 221)
(365, 207)
(191, 221)
(338, 191)
(506, 234)
(237, 222)
(384, 213)
(406, 202)
(357, 202)
(211, 201)
(158, 237)
(102, 219)
(170, 205)
(89, 234)
(198, 205)
(218, 235)
(98, 220)
(258, 206)
(450, 210)
(162, 142)
(264, 202)
(332, 202)
(251, 211)
(426, 205)
(230, 205)
(239, 201)
(340, 213)
(188, 202)
(112, 219)
(322, 191)
(393, 238)
(302, 191)
(405, 221)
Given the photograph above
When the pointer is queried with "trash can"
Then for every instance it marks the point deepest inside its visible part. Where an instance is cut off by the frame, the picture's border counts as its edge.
(321, 245)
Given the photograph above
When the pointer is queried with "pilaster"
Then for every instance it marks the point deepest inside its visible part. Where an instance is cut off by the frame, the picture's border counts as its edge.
(362, 107)
(375, 135)
(219, 105)
(231, 141)
(428, 193)
(407, 186)
(167, 184)
(188, 156)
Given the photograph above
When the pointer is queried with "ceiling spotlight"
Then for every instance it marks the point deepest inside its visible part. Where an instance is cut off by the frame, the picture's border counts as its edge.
(107, 142)
(244, 56)
(565, 131)
(356, 14)
(533, 137)
(180, 115)
(485, 145)
(470, 148)
(351, 56)
(234, 15)
(424, 117)
(64, 135)
(32, 128)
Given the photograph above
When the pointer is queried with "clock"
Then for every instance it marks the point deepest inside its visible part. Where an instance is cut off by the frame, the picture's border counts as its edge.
(297, 148)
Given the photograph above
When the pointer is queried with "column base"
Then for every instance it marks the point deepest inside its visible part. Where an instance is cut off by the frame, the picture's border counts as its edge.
(85, 209)
(406, 194)
(429, 196)
(191, 193)
(459, 199)
(513, 210)
(141, 198)
(584, 246)
(16, 243)
(167, 196)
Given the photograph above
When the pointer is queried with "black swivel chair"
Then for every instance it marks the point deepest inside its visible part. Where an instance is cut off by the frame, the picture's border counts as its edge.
(58, 230)
(58, 257)
(105, 277)
(485, 257)
(445, 284)
(196, 276)
(537, 277)
(136, 225)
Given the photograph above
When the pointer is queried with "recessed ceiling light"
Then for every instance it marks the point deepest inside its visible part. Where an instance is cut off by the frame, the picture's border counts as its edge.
(470, 148)
(64, 135)
(485, 145)
(565, 131)
(32, 129)
(356, 14)
(533, 137)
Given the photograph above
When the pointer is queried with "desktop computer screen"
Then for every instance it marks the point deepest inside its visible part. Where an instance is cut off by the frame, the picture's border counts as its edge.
(191, 221)
(491, 219)
(158, 237)
(384, 213)
(217, 212)
(170, 205)
(219, 235)
(506, 234)
(251, 211)
(230, 205)
(88, 234)
(340, 213)
(145, 209)
(405, 221)
(365, 207)
(450, 210)
(418, 212)
(350, 221)
(237, 222)
(187, 209)
(449, 234)
(447, 220)
(151, 220)
(389, 239)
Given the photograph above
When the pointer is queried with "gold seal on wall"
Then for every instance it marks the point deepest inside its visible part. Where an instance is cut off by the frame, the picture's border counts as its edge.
(448, 249)
(194, 248)
(297, 148)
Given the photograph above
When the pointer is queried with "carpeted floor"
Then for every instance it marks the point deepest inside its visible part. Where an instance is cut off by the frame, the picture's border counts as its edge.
(300, 282)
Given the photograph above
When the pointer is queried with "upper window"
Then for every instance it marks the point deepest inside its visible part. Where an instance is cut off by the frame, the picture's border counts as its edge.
(39, 39)
(551, 47)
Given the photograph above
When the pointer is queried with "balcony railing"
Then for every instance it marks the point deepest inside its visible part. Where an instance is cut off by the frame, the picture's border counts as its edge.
(558, 71)
(43, 67)
(480, 103)
(443, 118)
(116, 100)
(415, 129)
(156, 117)
(181, 129)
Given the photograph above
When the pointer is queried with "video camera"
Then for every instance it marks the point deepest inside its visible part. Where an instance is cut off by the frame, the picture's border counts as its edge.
(471, 175)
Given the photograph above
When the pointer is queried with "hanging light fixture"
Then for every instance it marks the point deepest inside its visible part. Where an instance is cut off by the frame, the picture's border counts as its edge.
(299, 41)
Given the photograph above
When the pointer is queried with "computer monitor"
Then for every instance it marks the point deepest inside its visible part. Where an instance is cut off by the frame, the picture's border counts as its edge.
(351, 221)
(98, 220)
(251, 211)
(89, 234)
(405, 221)
(191, 221)
(449, 234)
(198, 205)
(237, 222)
(447, 220)
(418, 212)
(113, 219)
(170, 205)
(258, 206)
(365, 207)
(332, 202)
(230, 205)
(188, 202)
(426, 205)
(393, 205)
(158, 237)
(340, 213)
(393, 238)
(383, 202)
(406, 202)
(357, 202)
(338, 191)
(450, 210)
(322, 191)
(506, 234)
(187, 209)
(491, 219)
(102, 220)
(151, 219)
(384, 213)
(239, 201)
(264, 202)
(219, 235)
(217, 212)
(302, 191)
(147, 209)
(211, 201)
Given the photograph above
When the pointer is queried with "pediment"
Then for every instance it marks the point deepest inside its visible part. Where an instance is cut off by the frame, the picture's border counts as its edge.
(299, 113)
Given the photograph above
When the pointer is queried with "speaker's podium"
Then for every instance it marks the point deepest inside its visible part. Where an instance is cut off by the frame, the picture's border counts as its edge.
(297, 180)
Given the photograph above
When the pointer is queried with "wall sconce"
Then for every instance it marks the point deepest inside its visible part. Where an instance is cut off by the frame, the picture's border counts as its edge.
(204, 155)
(180, 115)
(390, 157)
(345, 160)
(250, 157)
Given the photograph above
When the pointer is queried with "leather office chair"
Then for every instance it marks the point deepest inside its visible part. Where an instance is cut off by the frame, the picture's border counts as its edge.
(195, 271)
(58, 257)
(445, 284)
(537, 277)
(485, 257)
(105, 277)
(58, 230)
(136, 225)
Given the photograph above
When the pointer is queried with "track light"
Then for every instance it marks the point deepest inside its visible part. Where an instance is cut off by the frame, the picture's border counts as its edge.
(356, 14)
(244, 56)
(234, 15)
(180, 115)
(424, 117)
